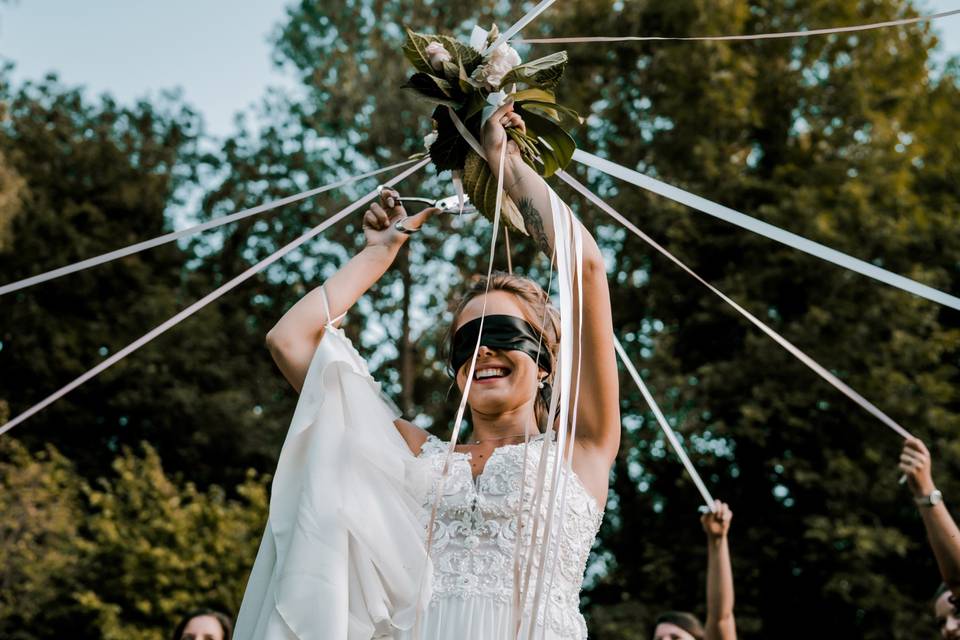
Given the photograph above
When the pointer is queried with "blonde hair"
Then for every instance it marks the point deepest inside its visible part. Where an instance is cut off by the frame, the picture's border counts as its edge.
(537, 311)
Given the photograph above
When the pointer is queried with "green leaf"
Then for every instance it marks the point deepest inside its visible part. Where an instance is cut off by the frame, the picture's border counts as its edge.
(543, 73)
(467, 84)
(552, 109)
(538, 95)
(451, 72)
(555, 145)
(414, 48)
(465, 54)
(434, 89)
(475, 104)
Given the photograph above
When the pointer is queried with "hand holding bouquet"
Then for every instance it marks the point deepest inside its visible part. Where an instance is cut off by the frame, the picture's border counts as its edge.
(460, 78)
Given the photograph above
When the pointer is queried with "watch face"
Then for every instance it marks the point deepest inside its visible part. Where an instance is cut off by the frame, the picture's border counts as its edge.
(936, 497)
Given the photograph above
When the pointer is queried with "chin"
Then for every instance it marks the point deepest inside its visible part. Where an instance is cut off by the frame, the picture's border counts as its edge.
(494, 400)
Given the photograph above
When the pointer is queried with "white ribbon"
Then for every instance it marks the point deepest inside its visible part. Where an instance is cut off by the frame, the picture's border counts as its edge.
(170, 237)
(665, 426)
(518, 25)
(758, 36)
(568, 247)
(765, 229)
(204, 301)
(783, 342)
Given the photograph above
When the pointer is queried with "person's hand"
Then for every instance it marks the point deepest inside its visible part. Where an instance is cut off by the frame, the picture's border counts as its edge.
(380, 219)
(495, 133)
(716, 524)
(916, 464)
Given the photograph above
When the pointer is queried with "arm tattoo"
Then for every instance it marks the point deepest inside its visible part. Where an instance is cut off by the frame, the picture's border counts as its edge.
(533, 221)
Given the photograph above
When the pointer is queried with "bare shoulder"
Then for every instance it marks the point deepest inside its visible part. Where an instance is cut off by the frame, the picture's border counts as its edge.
(413, 435)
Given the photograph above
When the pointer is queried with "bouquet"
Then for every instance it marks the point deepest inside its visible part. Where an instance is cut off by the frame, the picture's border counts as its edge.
(458, 77)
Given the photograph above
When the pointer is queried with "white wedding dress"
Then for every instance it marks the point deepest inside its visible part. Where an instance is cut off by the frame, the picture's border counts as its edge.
(474, 541)
(343, 555)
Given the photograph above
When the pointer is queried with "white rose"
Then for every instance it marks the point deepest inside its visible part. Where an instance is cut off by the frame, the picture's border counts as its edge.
(429, 139)
(437, 55)
(501, 61)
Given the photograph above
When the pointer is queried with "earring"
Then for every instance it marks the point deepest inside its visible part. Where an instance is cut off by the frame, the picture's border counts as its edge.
(540, 384)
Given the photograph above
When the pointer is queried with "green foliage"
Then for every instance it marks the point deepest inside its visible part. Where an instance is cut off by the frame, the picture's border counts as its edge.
(155, 548)
(123, 559)
(542, 73)
(40, 499)
(847, 140)
(92, 177)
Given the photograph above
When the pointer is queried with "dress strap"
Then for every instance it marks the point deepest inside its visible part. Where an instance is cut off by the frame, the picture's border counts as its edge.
(326, 308)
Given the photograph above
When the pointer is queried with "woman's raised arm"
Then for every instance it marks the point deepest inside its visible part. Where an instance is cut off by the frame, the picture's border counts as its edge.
(598, 414)
(293, 340)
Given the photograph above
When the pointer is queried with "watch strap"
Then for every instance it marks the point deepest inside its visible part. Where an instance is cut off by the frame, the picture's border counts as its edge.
(935, 498)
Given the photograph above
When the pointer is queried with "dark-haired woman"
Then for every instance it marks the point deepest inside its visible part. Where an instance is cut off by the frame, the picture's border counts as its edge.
(204, 624)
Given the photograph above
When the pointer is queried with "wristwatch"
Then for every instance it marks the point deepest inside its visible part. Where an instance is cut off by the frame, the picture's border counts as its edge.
(933, 499)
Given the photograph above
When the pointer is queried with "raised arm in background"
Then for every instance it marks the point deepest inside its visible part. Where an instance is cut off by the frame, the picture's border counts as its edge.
(598, 414)
(942, 531)
(720, 621)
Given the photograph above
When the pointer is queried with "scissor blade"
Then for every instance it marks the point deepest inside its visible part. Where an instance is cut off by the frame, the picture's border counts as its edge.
(452, 205)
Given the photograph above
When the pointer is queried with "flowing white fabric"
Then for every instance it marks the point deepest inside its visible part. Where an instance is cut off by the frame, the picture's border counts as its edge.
(343, 549)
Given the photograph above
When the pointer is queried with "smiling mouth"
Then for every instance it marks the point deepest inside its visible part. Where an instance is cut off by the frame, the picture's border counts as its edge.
(490, 373)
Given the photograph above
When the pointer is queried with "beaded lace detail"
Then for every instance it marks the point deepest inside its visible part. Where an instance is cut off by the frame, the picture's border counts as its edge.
(476, 527)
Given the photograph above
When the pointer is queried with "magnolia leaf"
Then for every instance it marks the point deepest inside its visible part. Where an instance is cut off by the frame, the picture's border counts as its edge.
(543, 73)
(480, 184)
(553, 109)
(537, 95)
(555, 145)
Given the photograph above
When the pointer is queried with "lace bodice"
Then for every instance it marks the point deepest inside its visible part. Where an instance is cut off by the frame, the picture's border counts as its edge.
(476, 526)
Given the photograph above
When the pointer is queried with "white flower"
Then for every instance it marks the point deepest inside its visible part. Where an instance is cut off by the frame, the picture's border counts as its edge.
(498, 64)
(430, 138)
(437, 54)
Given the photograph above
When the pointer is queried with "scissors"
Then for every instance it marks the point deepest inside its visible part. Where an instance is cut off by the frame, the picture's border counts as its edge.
(450, 204)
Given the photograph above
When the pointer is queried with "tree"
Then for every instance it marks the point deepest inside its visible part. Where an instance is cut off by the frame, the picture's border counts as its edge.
(41, 506)
(95, 177)
(822, 136)
(155, 548)
(123, 558)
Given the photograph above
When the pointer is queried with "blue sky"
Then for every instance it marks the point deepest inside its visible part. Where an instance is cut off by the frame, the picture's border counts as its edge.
(216, 51)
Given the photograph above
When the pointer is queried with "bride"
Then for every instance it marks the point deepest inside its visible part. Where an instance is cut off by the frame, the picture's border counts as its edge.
(482, 581)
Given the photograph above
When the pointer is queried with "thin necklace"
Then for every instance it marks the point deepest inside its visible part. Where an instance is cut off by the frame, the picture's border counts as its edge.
(516, 435)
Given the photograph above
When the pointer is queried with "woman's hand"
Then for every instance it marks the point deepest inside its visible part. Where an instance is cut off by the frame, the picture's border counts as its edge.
(495, 133)
(916, 464)
(379, 221)
(716, 523)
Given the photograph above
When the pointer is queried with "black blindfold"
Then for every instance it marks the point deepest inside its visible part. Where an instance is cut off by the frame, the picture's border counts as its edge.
(499, 332)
